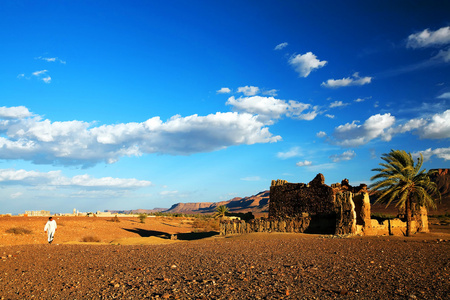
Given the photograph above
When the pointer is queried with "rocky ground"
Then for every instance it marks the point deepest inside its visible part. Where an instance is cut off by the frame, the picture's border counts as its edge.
(254, 266)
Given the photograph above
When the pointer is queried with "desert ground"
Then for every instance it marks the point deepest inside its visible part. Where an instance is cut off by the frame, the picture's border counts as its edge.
(132, 260)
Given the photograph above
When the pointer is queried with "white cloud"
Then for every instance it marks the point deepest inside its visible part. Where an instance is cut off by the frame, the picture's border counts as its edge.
(306, 63)
(272, 92)
(56, 179)
(352, 134)
(443, 153)
(39, 73)
(438, 127)
(329, 116)
(347, 155)
(356, 80)
(21, 76)
(361, 99)
(428, 38)
(293, 152)
(338, 104)
(42, 75)
(15, 112)
(281, 46)
(224, 90)
(444, 96)
(51, 59)
(321, 134)
(248, 90)
(269, 109)
(304, 163)
(47, 79)
(79, 143)
(443, 55)
(168, 193)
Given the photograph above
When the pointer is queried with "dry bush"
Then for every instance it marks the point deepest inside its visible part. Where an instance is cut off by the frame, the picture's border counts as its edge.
(205, 225)
(18, 230)
(90, 239)
(115, 219)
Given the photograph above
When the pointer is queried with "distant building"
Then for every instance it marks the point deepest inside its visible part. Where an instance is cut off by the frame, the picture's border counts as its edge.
(37, 213)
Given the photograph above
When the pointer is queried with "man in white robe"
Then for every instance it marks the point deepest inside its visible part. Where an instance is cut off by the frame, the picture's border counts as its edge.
(50, 228)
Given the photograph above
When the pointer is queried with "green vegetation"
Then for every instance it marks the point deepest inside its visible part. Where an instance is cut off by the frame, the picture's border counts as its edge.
(19, 230)
(142, 217)
(221, 211)
(402, 182)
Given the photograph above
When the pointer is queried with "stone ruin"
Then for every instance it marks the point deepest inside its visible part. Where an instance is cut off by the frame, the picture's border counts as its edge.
(318, 208)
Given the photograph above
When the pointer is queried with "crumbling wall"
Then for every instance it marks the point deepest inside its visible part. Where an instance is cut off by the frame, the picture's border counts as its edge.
(297, 225)
(318, 208)
(331, 209)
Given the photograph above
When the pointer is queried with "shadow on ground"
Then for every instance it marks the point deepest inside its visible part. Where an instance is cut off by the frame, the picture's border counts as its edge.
(191, 236)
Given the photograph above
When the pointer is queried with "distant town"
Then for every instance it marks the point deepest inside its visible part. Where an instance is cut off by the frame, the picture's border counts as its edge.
(74, 213)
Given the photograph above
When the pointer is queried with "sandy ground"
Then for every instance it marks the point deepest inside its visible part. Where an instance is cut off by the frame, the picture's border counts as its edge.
(207, 266)
(75, 229)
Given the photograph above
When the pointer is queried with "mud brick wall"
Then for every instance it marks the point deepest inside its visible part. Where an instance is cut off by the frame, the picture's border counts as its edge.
(291, 200)
(298, 225)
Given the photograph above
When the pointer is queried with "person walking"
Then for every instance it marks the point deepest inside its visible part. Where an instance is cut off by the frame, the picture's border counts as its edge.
(50, 228)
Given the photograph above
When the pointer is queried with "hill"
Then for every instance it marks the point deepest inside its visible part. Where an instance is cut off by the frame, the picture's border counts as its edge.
(258, 203)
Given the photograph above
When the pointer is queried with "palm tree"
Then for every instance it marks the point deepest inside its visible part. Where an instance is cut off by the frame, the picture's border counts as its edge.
(220, 211)
(402, 182)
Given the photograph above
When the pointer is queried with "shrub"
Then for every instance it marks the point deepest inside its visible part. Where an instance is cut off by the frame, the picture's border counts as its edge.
(115, 219)
(142, 217)
(90, 239)
(18, 230)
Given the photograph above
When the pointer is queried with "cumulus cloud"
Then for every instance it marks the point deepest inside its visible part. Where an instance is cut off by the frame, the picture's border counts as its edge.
(15, 112)
(56, 179)
(248, 90)
(444, 96)
(383, 127)
(443, 153)
(224, 90)
(437, 127)
(304, 163)
(353, 134)
(281, 46)
(321, 134)
(80, 143)
(427, 38)
(293, 152)
(348, 81)
(306, 63)
(347, 155)
(269, 109)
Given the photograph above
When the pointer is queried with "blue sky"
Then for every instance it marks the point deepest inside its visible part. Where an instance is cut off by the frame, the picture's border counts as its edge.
(143, 104)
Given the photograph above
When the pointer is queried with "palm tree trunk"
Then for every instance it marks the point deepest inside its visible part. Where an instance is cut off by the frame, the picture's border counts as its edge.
(408, 217)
